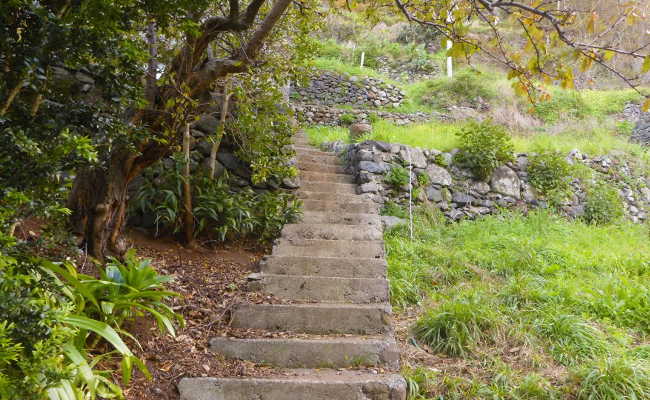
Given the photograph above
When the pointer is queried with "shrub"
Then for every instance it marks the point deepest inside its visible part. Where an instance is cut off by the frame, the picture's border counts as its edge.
(603, 204)
(549, 171)
(457, 325)
(483, 148)
(465, 88)
(397, 177)
(563, 103)
(347, 119)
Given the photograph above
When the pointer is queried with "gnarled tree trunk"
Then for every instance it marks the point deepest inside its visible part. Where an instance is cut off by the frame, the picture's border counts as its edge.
(99, 195)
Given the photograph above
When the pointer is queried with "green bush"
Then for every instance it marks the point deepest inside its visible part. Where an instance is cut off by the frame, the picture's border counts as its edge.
(483, 148)
(347, 119)
(465, 88)
(565, 103)
(549, 172)
(397, 177)
(603, 204)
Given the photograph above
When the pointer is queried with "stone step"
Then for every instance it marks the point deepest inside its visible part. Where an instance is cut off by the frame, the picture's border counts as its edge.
(358, 207)
(307, 176)
(320, 167)
(321, 159)
(329, 248)
(360, 319)
(316, 186)
(302, 385)
(308, 149)
(324, 266)
(319, 288)
(349, 198)
(331, 232)
(337, 352)
(342, 218)
(312, 151)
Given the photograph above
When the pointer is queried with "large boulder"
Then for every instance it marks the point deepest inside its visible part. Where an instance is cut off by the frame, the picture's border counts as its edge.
(438, 175)
(505, 181)
(414, 156)
(359, 129)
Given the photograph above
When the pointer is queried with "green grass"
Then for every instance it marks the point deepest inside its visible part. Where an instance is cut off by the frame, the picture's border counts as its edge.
(574, 309)
(598, 139)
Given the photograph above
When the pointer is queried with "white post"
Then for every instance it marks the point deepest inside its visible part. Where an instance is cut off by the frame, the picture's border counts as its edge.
(410, 195)
(363, 58)
(450, 44)
(450, 64)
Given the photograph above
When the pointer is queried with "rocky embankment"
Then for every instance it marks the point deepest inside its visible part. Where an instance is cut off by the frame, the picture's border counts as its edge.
(454, 190)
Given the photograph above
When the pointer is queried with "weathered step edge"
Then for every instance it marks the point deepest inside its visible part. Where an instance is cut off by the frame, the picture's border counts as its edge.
(323, 289)
(311, 353)
(314, 318)
(324, 266)
(347, 385)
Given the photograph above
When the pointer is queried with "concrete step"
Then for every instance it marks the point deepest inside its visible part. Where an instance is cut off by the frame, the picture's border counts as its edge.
(312, 151)
(348, 198)
(343, 218)
(321, 159)
(316, 186)
(308, 176)
(331, 232)
(360, 319)
(359, 207)
(338, 352)
(320, 167)
(325, 266)
(319, 288)
(302, 385)
(329, 248)
(309, 147)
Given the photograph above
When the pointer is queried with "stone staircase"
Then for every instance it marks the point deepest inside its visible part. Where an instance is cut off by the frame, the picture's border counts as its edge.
(331, 272)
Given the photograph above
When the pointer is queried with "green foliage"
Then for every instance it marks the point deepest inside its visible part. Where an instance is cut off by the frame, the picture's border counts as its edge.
(548, 171)
(537, 284)
(347, 119)
(393, 209)
(397, 177)
(603, 204)
(457, 326)
(218, 208)
(615, 378)
(572, 339)
(483, 148)
(467, 88)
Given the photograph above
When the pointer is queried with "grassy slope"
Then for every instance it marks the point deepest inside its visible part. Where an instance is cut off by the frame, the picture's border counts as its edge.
(574, 311)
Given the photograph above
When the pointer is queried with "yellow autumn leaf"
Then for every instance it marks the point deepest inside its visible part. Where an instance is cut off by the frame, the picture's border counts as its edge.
(646, 105)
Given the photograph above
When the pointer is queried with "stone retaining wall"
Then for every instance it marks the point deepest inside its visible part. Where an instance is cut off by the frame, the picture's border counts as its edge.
(458, 195)
(330, 88)
(313, 114)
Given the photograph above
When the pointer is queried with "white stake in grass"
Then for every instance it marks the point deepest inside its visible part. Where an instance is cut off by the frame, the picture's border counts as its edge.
(410, 195)
(363, 58)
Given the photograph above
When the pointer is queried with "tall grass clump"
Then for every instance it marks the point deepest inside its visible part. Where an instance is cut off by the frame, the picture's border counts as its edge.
(571, 338)
(457, 326)
(615, 378)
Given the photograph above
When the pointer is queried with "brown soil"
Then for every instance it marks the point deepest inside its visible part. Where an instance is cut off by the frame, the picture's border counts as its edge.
(211, 282)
